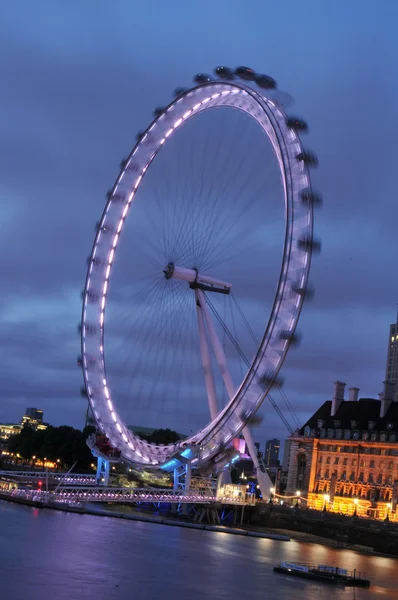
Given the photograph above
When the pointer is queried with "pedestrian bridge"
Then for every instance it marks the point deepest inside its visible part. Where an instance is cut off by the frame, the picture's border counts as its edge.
(83, 494)
(66, 478)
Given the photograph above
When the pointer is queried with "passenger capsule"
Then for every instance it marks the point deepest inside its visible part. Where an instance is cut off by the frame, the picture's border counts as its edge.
(179, 91)
(296, 124)
(245, 73)
(265, 81)
(309, 245)
(308, 157)
(224, 73)
(202, 78)
(309, 197)
(292, 338)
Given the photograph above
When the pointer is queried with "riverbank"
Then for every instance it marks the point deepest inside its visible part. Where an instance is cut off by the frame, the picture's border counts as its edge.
(132, 514)
(137, 516)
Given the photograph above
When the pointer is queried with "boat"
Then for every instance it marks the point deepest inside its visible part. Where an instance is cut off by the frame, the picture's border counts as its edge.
(323, 573)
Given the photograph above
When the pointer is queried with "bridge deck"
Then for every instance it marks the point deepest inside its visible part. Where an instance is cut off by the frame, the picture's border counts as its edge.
(125, 495)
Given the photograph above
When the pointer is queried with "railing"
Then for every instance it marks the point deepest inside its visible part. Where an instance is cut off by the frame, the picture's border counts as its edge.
(126, 495)
(71, 478)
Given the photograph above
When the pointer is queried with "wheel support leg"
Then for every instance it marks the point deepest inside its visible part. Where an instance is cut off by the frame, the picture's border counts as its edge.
(103, 471)
(263, 479)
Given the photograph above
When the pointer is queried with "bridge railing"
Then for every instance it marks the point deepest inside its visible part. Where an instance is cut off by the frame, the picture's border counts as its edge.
(71, 478)
(84, 494)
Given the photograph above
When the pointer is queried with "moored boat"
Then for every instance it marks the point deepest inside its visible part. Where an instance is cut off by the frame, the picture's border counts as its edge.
(323, 573)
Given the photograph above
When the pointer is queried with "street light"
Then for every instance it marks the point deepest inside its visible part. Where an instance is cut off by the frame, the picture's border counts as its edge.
(355, 506)
(326, 499)
(298, 493)
(388, 511)
(271, 495)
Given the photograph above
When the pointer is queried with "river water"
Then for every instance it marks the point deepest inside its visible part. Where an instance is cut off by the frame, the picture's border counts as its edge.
(45, 555)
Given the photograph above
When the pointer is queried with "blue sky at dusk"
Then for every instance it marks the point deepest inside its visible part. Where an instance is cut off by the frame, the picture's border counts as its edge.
(80, 79)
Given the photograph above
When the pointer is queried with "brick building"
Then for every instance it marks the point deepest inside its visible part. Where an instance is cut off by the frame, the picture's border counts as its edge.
(345, 458)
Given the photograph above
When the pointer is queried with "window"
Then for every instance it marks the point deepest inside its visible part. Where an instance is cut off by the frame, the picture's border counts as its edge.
(320, 423)
(371, 424)
(370, 478)
(320, 460)
(372, 464)
(354, 424)
(363, 463)
(365, 435)
(345, 462)
(347, 434)
(383, 437)
(354, 462)
(336, 460)
(336, 423)
(328, 460)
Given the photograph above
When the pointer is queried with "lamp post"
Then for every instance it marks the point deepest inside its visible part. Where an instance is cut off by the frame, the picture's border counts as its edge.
(388, 511)
(298, 494)
(271, 495)
(326, 499)
(355, 507)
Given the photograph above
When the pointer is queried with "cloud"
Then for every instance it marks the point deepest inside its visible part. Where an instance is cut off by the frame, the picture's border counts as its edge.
(76, 87)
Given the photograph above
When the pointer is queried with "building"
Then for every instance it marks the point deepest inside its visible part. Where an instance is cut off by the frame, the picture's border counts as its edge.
(271, 455)
(392, 359)
(6, 431)
(345, 458)
(34, 418)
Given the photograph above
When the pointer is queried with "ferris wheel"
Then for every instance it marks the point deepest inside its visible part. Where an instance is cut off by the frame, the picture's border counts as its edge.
(185, 257)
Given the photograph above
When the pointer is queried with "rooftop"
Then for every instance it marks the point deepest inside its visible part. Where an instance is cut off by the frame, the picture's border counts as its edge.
(362, 412)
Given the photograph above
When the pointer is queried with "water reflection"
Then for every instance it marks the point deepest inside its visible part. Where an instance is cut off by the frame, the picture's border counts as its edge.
(47, 554)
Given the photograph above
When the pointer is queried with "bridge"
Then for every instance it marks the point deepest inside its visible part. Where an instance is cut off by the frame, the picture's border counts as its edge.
(83, 494)
(66, 478)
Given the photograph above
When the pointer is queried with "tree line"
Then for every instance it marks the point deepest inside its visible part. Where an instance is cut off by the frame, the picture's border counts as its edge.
(68, 445)
(64, 444)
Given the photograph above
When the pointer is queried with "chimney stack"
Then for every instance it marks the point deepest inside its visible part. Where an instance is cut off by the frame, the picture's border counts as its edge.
(387, 398)
(353, 394)
(338, 397)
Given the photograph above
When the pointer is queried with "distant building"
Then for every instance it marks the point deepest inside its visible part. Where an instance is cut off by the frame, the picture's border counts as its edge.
(34, 418)
(271, 456)
(392, 359)
(345, 458)
(9, 429)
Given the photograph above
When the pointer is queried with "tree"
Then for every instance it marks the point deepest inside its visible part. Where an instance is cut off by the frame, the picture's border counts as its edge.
(64, 443)
(161, 436)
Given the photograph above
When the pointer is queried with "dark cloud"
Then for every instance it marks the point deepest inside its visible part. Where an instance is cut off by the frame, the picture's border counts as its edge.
(78, 83)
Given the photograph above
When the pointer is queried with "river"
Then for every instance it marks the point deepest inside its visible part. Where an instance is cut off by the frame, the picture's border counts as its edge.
(46, 555)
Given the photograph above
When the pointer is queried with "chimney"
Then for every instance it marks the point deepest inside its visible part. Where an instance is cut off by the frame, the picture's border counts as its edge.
(338, 397)
(353, 394)
(387, 398)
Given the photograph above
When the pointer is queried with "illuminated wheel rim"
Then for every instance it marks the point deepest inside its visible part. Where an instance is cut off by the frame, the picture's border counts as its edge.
(290, 293)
